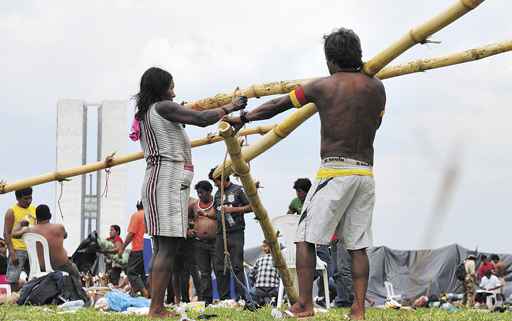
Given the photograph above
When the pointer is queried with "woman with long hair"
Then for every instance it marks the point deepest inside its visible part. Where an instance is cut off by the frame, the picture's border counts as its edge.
(169, 170)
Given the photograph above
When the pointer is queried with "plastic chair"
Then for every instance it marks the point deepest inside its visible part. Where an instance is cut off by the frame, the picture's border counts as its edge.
(390, 292)
(31, 240)
(286, 225)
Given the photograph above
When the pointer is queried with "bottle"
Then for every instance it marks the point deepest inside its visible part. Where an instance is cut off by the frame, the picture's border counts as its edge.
(72, 305)
(229, 219)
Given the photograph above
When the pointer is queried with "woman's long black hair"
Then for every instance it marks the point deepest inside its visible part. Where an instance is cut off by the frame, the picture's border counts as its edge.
(154, 85)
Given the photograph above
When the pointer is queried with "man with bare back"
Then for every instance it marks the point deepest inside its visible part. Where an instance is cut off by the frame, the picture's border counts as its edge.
(205, 230)
(341, 200)
(55, 235)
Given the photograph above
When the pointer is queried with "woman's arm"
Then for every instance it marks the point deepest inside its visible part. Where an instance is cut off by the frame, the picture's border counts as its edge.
(177, 113)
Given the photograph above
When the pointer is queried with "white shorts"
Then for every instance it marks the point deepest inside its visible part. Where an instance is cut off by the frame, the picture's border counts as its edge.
(341, 204)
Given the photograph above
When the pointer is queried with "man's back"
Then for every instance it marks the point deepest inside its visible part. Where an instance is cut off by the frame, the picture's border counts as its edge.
(54, 234)
(351, 106)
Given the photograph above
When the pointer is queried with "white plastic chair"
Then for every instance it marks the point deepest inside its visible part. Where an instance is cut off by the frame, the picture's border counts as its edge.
(390, 292)
(31, 240)
(287, 227)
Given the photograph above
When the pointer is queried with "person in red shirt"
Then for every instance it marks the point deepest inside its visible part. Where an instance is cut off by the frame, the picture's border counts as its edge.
(485, 266)
(135, 268)
(115, 238)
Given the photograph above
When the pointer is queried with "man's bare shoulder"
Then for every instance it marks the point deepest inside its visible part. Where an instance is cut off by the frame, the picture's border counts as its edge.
(9, 213)
(378, 83)
(192, 202)
(57, 228)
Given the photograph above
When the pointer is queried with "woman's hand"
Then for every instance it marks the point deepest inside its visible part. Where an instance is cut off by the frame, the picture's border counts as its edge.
(239, 103)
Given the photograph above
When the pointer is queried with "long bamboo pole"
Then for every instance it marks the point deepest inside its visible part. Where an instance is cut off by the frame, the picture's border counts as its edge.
(114, 161)
(298, 117)
(285, 86)
(420, 34)
(372, 67)
(243, 171)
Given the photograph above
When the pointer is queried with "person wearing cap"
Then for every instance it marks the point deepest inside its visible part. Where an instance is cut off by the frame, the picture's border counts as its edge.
(55, 234)
(469, 280)
(18, 257)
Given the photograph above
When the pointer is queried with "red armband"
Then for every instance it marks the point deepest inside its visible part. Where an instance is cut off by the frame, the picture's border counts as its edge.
(297, 97)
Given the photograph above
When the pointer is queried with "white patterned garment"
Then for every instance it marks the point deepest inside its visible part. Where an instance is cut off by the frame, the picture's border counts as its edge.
(169, 173)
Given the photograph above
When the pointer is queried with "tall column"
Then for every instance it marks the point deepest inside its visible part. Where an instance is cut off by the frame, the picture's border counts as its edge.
(71, 147)
(113, 135)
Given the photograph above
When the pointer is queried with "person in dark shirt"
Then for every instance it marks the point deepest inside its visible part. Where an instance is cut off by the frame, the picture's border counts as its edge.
(235, 205)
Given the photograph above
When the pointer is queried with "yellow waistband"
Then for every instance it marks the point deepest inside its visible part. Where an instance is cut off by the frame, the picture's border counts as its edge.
(334, 172)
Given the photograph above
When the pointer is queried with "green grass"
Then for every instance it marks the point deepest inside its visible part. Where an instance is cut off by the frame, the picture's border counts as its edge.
(17, 313)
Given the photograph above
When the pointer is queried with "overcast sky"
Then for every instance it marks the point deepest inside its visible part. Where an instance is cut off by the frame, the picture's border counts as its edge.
(448, 127)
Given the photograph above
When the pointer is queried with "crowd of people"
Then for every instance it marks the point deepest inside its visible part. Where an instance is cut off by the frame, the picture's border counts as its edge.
(481, 280)
(201, 254)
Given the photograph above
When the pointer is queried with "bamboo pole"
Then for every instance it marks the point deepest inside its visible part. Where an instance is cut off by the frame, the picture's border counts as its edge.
(372, 67)
(447, 60)
(254, 91)
(301, 115)
(243, 171)
(285, 86)
(114, 161)
(419, 34)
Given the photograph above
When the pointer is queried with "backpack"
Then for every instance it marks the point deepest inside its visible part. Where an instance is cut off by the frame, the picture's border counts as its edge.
(460, 272)
(42, 290)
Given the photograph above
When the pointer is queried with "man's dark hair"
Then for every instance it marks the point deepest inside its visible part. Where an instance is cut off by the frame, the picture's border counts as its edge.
(210, 175)
(139, 205)
(495, 257)
(154, 85)
(204, 185)
(483, 257)
(343, 48)
(304, 184)
(43, 213)
(23, 192)
(116, 228)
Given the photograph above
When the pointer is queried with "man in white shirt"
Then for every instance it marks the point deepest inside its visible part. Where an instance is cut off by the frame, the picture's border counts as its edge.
(490, 282)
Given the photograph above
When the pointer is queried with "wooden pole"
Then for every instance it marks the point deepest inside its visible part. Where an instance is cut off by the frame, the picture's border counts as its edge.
(444, 61)
(420, 34)
(113, 161)
(243, 171)
(372, 67)
(299, 116)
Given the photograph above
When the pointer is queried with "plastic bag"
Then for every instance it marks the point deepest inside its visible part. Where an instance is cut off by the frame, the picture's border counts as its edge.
(120, 301)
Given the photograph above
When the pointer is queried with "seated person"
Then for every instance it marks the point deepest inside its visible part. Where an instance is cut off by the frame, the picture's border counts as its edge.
(55, 235)
(265, 277)
(301, 187)
(490, 282)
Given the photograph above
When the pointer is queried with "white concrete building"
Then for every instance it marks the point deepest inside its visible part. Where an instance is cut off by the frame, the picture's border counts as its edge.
(83, 207)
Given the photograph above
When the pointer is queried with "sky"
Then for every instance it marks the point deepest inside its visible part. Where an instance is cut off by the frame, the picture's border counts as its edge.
(441, 155)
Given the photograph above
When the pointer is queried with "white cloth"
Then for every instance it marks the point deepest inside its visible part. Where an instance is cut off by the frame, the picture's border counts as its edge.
(490, 283)
(469, 266)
